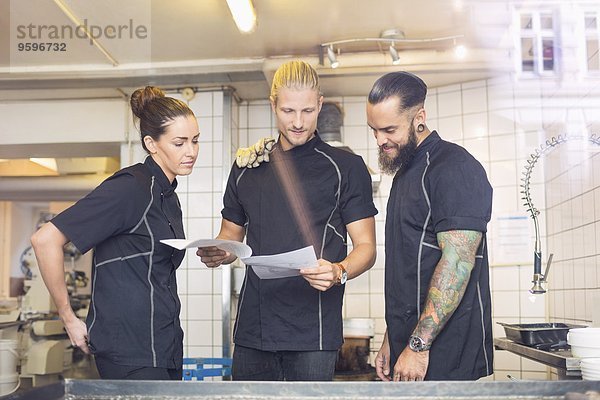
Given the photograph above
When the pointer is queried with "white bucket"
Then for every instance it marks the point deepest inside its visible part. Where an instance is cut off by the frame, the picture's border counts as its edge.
(8, 357)
(8, 384)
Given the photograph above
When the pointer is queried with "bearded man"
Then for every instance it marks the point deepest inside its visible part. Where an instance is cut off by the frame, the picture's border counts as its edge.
(437, 295)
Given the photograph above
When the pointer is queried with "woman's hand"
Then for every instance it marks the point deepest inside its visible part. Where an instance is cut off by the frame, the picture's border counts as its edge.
(213, 257)
(77, 332)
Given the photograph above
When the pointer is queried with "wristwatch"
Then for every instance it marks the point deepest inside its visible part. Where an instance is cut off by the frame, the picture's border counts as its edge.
(417, 344)
(343, 277)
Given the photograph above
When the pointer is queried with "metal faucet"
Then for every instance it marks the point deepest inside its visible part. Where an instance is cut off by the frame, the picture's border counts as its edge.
(538, 278)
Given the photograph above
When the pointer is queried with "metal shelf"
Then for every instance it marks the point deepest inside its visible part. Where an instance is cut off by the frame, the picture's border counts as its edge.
(567, 365)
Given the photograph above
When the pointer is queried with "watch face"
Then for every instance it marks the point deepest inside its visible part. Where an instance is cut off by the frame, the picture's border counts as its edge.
(415, 343)
(344, 277)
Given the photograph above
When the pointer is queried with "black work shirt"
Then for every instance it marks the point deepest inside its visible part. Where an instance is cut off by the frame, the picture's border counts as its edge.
(444, 188)
(134, 312)
(328, 188)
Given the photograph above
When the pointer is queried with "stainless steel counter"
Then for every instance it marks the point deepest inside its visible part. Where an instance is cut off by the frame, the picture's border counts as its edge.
(566, 365)
(151, 390)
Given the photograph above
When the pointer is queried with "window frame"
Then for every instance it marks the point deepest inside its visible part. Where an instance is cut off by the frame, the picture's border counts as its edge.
(593, 34)
(537, 34)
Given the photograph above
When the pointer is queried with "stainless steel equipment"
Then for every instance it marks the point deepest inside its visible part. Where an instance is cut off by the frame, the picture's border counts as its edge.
(150, 390)
(538, 278)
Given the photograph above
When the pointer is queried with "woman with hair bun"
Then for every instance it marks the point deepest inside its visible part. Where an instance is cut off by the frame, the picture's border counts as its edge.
(132, 326)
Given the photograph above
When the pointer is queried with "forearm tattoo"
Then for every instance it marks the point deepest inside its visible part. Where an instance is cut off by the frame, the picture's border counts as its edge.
(449, 281)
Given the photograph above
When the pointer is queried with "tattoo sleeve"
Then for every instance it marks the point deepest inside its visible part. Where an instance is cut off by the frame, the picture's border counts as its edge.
(449, 281)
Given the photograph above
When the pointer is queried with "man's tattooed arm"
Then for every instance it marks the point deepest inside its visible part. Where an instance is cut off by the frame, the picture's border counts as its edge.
(449, 281)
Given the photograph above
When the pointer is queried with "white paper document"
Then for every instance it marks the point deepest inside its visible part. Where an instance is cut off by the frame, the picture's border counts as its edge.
(266, 267)
(284, 264)
(239, 249)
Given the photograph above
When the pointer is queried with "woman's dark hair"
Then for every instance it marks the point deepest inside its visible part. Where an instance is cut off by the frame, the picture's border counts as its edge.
(155, 111)
(409, 88)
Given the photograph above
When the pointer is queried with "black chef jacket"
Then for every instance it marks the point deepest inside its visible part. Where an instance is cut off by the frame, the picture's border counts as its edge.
(287, 313)
(134, 312)
(443, 189)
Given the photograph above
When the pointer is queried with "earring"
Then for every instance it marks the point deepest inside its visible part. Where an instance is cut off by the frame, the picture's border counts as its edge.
(420, 128)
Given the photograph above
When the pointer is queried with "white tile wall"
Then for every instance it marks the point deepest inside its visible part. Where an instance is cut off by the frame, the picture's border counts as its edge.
(200, 196)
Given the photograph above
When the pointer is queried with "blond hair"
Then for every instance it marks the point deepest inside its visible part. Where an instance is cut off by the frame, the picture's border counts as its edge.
(294, 75)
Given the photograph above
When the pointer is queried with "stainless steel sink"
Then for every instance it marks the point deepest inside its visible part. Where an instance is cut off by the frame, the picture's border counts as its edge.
(151, 390)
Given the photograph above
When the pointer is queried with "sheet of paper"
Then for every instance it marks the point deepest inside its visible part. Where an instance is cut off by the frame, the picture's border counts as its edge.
(239, 249)
(284, 264)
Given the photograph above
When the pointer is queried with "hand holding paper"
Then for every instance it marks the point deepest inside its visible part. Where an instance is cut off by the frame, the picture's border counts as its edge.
(239, 249)
(284, 264)
(266, 267)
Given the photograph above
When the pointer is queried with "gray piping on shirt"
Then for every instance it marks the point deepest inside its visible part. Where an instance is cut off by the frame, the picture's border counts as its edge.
(337, 233)
(150, 276)
(422, 238)
(487, 365)
(93, 302)
(337, 198)
(433, 246)
(337, 202)
(122, 258)
(237, 181)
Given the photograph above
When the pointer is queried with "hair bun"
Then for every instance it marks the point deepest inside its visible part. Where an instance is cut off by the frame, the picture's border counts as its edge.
(141, 97)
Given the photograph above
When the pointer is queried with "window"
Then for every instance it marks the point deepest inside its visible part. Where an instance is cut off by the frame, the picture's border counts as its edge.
(592, 39)
(537, 42)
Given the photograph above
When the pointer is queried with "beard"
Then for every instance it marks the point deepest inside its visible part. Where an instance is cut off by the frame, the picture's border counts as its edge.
(405, 154)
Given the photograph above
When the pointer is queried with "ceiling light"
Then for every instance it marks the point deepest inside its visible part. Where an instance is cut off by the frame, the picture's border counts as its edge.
(387, 40)
(460, 51)
(243, 14)
(332, 58)
(394, 54)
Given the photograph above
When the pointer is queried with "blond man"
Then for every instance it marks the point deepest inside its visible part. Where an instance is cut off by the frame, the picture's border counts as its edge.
(305, 192)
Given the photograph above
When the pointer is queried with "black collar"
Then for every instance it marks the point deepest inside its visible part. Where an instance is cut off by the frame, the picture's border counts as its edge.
(166, 187)
(306, 148)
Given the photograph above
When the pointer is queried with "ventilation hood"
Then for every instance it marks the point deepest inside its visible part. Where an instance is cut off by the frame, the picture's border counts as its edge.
(329, 125)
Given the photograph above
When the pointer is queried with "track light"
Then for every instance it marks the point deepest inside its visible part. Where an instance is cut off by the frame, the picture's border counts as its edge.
(332, 58)
(387, 40)
(394, 54)
(243, 14)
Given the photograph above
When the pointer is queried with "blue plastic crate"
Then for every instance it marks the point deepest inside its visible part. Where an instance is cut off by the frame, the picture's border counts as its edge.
(200, 368)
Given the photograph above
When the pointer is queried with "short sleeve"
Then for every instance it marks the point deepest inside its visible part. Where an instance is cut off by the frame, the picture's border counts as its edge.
(115, 206)
(461, 197)
(232, 208)
(356, 197)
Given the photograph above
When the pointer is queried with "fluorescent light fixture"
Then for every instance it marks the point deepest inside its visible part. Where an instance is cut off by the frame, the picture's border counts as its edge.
(332, 58)
(243, 14)
(395, 56)
(460, 51)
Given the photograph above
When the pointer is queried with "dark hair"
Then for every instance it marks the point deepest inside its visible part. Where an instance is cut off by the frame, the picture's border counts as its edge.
(155, 111)
(409, 88)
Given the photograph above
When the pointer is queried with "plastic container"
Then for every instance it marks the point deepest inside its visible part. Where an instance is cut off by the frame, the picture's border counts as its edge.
(584, 342)
(8, 357)
(8, 384)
